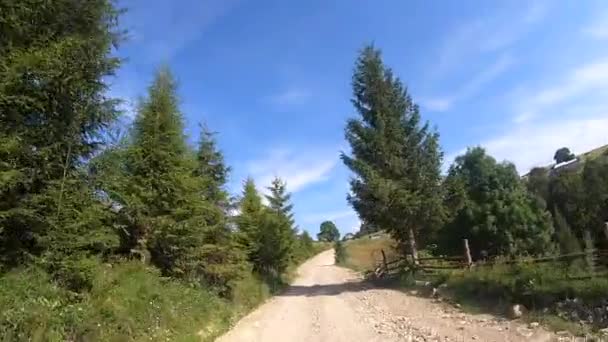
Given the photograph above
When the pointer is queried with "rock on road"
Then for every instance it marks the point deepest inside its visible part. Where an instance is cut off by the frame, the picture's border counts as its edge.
(331, 303)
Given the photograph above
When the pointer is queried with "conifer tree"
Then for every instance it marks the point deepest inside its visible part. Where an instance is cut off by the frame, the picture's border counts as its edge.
(248, 221)
(395, 157)
(155, 193)
(211, 166)
(279, 199)
(222, 260)
(54, 64)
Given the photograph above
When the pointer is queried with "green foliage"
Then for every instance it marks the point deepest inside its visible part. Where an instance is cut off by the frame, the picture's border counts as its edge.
(340, 252)
(211, 167)
(279, 199)
(267, 233)
(328, 232)
(395, 157)
(54, 61)
(568, 242)
(534, 285)
(563, 155)
(582, 199)
(251, 209)
(126, 302)
(490, 206)
(274, 244)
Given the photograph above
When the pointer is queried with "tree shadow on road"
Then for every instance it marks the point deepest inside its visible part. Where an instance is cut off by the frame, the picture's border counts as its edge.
(327, 289)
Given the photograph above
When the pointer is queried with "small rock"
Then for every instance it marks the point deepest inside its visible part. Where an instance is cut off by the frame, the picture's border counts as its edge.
(463, 322)
(561, 333)
(458, 305)
(534, 325)
(473, 337)
(604, 331)
(516, 311)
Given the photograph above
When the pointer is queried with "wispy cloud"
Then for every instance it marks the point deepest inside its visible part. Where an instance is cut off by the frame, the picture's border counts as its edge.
(289, 97)
(298, 168)
(471, 88)
(162, 30)
(486, 35)
(580, 81)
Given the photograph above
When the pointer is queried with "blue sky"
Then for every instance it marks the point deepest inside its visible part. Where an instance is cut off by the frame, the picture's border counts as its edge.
(521, 78)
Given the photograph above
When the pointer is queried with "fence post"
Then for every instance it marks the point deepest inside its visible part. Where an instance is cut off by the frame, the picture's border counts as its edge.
(467, 253)
(384, 264)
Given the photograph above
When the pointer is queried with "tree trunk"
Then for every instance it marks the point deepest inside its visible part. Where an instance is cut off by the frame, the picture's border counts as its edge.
(413, 249)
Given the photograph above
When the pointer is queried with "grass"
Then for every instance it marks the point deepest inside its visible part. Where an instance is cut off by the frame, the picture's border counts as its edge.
(126, 301)
(363, 254)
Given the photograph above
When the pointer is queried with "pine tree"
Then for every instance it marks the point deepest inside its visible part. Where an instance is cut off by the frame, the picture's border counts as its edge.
(248, 221)
(279, 199)
(279, 202)
(54, 64)
(222, 261)
(266, 233)
(211, 165)
(395, 158)
(158, 173)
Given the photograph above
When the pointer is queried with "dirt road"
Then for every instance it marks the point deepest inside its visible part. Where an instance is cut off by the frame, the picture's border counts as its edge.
(330, 303)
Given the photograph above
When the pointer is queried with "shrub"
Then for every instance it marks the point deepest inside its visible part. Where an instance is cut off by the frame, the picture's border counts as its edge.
(126, 302)
(340, 251)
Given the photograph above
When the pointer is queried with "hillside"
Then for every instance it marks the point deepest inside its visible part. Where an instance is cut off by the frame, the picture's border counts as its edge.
(597, 153)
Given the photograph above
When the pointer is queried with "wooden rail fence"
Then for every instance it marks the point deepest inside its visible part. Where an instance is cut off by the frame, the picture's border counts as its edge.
(597, 262)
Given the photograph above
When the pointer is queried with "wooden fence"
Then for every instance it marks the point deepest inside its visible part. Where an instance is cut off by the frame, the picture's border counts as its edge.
(596, 261)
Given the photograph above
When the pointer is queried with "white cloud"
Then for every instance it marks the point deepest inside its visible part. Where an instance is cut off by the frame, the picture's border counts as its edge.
(471, 88)
(581, 81)
(298, 168)
(291, 96)
(529, 145)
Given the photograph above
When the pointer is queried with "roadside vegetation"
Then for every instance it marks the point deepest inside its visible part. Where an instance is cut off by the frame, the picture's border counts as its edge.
(112, 231)
(508, 221)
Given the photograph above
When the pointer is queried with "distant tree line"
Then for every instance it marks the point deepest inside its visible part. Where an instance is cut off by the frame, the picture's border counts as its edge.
(397, 184)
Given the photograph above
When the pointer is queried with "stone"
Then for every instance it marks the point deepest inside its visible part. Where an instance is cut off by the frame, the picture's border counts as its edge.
(534, 325)
(516, 311)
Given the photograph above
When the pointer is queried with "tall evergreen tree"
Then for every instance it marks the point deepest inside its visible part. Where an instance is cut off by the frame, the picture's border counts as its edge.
(211, 166)
(395, 157)
(157, 167)
(248, 221)
(279, 199)
(55, 60)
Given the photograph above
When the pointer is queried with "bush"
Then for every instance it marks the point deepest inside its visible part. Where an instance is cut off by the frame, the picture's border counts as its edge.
(126, 302)
(534, 285)
(340, 251)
